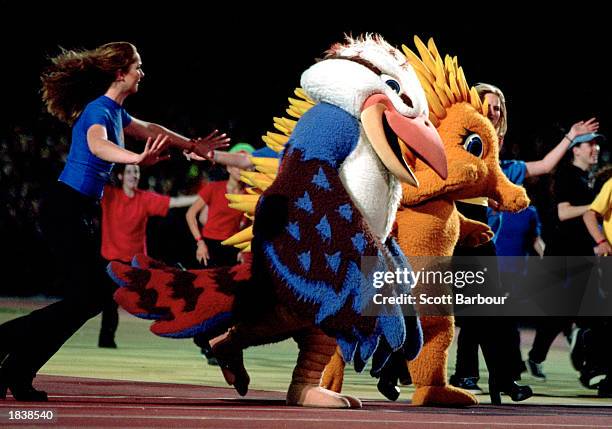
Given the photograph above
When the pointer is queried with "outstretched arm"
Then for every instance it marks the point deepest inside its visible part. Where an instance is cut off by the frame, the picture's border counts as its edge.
(182, 201)
(240, 160)
(204, 147)
(103, 148)
(552, 158)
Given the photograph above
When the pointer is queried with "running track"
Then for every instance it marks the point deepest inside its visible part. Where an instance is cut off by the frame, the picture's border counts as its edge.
(88, 402)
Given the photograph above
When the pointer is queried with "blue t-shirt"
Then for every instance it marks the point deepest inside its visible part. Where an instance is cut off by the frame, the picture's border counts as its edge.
(514, 232)
(84, 171)
(514, 241)
(515, 171)
(519, 230)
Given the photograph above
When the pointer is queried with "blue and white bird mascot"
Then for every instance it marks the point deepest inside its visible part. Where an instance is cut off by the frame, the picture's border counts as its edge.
(332, 203)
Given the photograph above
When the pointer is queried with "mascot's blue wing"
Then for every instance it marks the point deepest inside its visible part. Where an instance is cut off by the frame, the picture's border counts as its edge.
(311, 239)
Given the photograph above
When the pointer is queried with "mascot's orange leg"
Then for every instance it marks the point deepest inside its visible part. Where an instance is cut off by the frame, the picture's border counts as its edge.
(333, 375)
(428, 370)
(316, 350)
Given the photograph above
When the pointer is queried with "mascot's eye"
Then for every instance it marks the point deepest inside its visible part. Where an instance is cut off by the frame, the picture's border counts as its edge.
(473, 144)
(394, 85)
(391, 82)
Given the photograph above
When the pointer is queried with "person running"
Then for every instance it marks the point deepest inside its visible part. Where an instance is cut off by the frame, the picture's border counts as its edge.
(86, 89)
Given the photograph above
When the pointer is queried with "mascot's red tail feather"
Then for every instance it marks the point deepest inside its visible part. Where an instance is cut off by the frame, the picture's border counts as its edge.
(182, 303)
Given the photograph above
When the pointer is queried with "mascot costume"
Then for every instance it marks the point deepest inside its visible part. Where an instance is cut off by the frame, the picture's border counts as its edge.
(332, 202)
(429, 224)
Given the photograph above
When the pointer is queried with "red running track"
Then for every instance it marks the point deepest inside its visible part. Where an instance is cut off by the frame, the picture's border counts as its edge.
(88, 402)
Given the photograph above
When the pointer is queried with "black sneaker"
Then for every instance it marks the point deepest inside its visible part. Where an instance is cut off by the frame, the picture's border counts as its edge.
(604, 390)
(535, 369)
(591, 378)
(578, 348)
(107, 343)
(466, 383)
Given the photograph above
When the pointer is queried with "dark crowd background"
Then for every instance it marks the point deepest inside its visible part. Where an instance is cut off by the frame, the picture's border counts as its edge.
(233, 67)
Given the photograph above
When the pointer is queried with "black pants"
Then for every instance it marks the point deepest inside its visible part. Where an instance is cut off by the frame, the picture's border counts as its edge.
(471, 335)
(110, 313)
(496, 335)
(220, 255)
(566, 279)
(547, 329)
(466, 364)
(70, 224)
(497, 338)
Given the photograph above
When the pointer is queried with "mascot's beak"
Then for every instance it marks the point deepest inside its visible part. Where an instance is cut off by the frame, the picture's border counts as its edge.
(395, 137)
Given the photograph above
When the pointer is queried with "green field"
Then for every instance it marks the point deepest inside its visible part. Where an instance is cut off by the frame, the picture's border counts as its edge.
(143, 356)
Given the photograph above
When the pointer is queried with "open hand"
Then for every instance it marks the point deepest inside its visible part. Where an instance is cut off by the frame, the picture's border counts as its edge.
(202, 254)
(204, 147)
(583, 127)
(153, 150)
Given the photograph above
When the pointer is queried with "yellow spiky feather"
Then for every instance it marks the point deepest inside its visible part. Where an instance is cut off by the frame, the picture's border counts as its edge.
(253, 191)
(243, 236)
(485, 107)
(242, 198)
(243, 246)
(265, 165)
(255, 179)
(266, 168)
(247, 207)
(442, 79)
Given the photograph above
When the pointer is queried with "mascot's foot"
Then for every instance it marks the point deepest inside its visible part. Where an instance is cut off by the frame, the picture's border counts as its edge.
(309, 395)
(388, 389)
(446, 396)
(231, 363)
(235, 375)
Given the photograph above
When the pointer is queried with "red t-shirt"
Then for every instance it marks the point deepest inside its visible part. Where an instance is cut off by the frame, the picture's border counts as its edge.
(124, 221)
(223, 221)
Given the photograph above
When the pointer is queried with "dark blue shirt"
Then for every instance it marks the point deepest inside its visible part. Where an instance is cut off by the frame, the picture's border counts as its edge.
(516, 236)
(514, 232)
(515, 171)
(84, 171)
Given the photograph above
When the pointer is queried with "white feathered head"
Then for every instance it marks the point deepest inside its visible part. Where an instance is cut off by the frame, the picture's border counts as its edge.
(373, 81)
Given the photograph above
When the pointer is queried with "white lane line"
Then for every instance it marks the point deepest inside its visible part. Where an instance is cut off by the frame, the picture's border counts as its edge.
(245, 407)
(320, 420)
